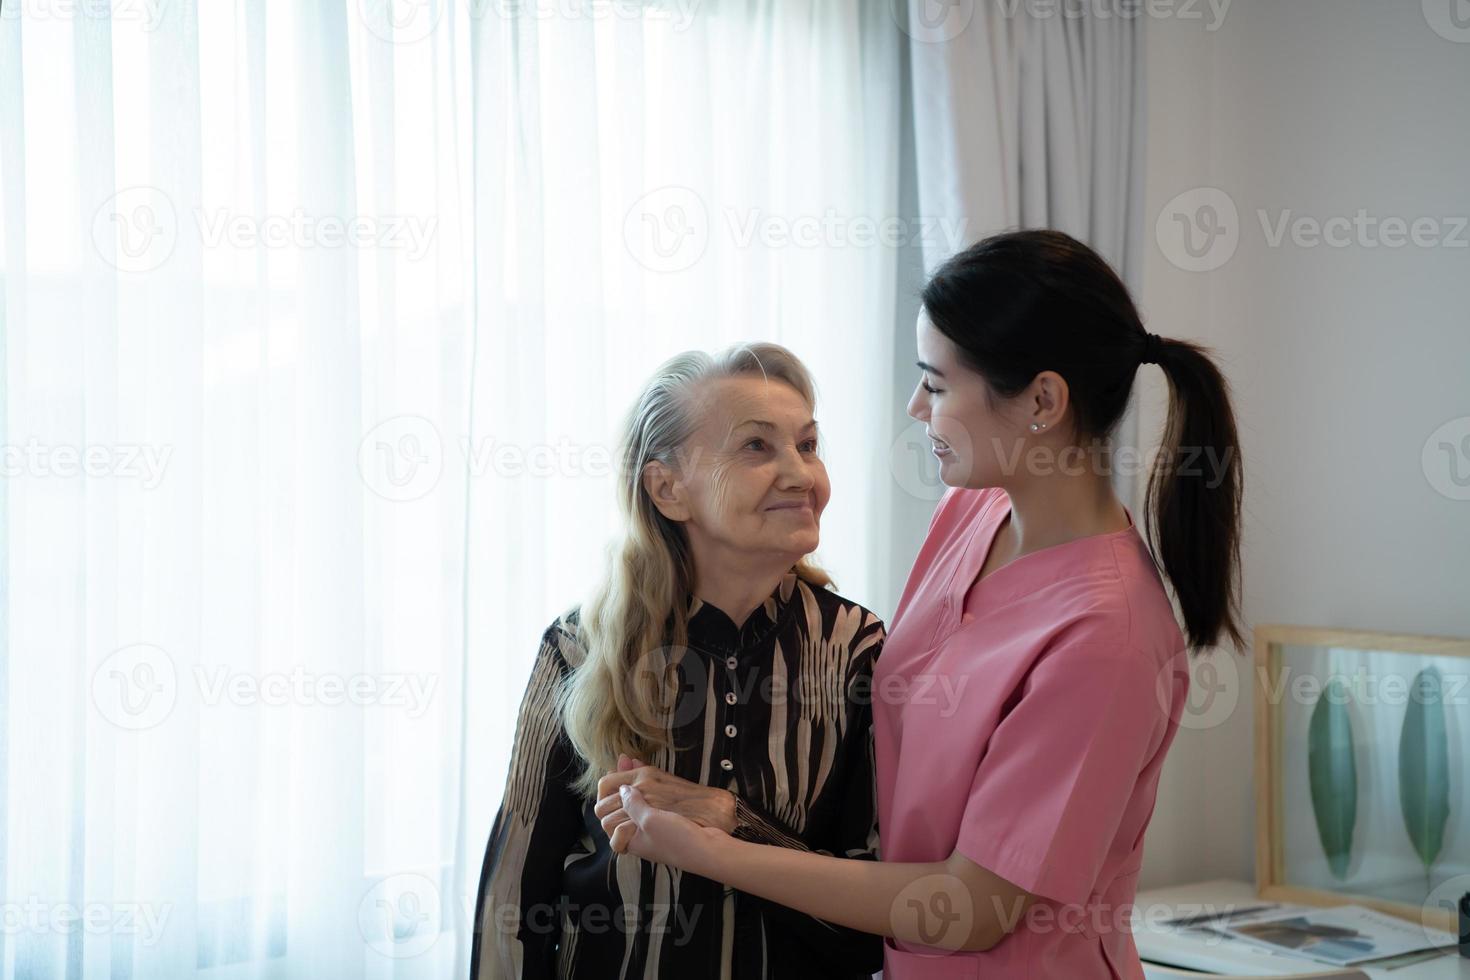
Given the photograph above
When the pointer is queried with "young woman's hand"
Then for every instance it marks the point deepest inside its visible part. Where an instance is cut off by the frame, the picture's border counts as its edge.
(707, 806)
(663, 836)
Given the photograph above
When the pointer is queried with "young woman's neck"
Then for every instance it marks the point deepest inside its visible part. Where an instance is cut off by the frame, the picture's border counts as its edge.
(1055, 509)
(736, 582)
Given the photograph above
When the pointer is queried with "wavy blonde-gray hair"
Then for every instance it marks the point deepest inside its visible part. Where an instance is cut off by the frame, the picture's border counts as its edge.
(610, 702)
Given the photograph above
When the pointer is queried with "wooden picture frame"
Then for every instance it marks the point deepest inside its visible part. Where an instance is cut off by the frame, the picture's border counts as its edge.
(1272, 877)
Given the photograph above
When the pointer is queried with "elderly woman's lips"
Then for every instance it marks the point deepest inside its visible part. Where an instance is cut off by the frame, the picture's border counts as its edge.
(791, 505)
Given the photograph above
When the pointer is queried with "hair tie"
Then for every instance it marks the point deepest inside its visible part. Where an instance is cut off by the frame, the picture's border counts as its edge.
(1153, 349)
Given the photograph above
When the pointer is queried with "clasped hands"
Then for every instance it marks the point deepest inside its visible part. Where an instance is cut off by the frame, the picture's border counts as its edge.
(655, 815)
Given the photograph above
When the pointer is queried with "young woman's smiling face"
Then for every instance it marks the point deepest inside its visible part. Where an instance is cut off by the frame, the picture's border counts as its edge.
(750, 478)
(972, 434)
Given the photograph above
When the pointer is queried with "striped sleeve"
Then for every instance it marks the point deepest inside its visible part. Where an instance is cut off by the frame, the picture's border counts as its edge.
(518, 909)
(759, 827)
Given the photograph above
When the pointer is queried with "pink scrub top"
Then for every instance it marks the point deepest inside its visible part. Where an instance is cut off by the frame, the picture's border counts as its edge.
(1025, 726)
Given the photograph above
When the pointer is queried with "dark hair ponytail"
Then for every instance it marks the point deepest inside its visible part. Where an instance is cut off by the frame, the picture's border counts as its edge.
(1193, 499)
(1025, 302)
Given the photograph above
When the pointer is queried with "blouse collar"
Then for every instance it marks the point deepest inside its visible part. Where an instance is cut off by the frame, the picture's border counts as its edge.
(710, 627)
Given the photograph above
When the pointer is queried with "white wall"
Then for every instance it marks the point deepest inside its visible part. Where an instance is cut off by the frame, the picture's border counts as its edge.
(1344, 360)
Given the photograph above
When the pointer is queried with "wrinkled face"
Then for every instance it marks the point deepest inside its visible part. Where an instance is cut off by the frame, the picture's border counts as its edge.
(973, 435)
(750, 478)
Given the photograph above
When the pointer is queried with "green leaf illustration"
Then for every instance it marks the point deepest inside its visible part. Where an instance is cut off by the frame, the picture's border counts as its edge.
(1334, 775)
(1424, 766)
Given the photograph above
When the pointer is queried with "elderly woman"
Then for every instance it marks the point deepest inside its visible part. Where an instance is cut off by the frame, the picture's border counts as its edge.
(716, 651)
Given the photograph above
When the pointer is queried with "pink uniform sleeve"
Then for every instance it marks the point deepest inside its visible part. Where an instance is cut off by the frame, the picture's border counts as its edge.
(1062, 767)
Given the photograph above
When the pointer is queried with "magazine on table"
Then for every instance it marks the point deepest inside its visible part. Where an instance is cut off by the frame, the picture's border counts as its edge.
(1344, 936)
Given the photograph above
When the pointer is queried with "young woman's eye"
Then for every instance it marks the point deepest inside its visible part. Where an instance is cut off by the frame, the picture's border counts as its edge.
(932, 391)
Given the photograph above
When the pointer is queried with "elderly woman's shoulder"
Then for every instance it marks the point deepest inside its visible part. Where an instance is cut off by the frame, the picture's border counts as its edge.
(861, 622)
(561, 638)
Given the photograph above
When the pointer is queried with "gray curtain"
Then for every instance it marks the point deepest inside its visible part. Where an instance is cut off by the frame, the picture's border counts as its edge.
(1025, 120)
(1030, 115)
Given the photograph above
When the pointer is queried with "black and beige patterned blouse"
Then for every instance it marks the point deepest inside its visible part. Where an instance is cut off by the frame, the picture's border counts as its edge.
(778, 711)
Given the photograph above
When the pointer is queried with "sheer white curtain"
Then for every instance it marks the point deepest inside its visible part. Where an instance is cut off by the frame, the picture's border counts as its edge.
(315, 323)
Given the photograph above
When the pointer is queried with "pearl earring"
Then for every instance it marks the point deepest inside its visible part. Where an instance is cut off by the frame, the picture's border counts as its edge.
(1037, 426)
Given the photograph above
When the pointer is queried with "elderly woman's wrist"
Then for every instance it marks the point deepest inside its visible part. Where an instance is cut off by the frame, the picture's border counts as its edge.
(726, 811)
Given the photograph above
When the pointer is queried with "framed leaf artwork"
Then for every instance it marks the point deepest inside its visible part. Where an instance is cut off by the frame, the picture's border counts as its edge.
(1363, 770)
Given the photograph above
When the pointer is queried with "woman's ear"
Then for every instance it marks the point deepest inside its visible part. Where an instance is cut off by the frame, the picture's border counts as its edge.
(1050, 397)
(666, 491)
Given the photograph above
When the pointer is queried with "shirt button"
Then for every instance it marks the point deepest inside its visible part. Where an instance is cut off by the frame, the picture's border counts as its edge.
(732, 663)
(730, 698)
(726, 765)
(730, 730)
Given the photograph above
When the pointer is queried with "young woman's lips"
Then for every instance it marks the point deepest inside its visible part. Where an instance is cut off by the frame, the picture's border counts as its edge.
(940, 447)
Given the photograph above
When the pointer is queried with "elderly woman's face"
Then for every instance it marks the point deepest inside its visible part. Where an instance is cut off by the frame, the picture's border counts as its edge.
(751, 477)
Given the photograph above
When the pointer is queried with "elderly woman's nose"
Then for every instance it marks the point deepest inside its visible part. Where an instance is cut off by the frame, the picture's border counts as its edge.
(796, 469)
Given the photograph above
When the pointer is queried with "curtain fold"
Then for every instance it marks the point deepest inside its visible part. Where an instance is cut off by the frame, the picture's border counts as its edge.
(1030, 115)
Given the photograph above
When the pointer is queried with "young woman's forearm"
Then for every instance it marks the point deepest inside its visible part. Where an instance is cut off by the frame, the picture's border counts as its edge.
(937, 904)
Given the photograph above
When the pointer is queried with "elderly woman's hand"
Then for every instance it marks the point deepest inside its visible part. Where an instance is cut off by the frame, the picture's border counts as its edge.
(664, 837)
(707, 806)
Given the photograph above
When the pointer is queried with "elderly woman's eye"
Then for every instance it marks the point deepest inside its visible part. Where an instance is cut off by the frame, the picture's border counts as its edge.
(757, 444)
(809, 446)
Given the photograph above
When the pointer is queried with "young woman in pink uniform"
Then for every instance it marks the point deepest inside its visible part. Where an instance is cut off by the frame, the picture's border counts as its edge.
(1012, 812)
